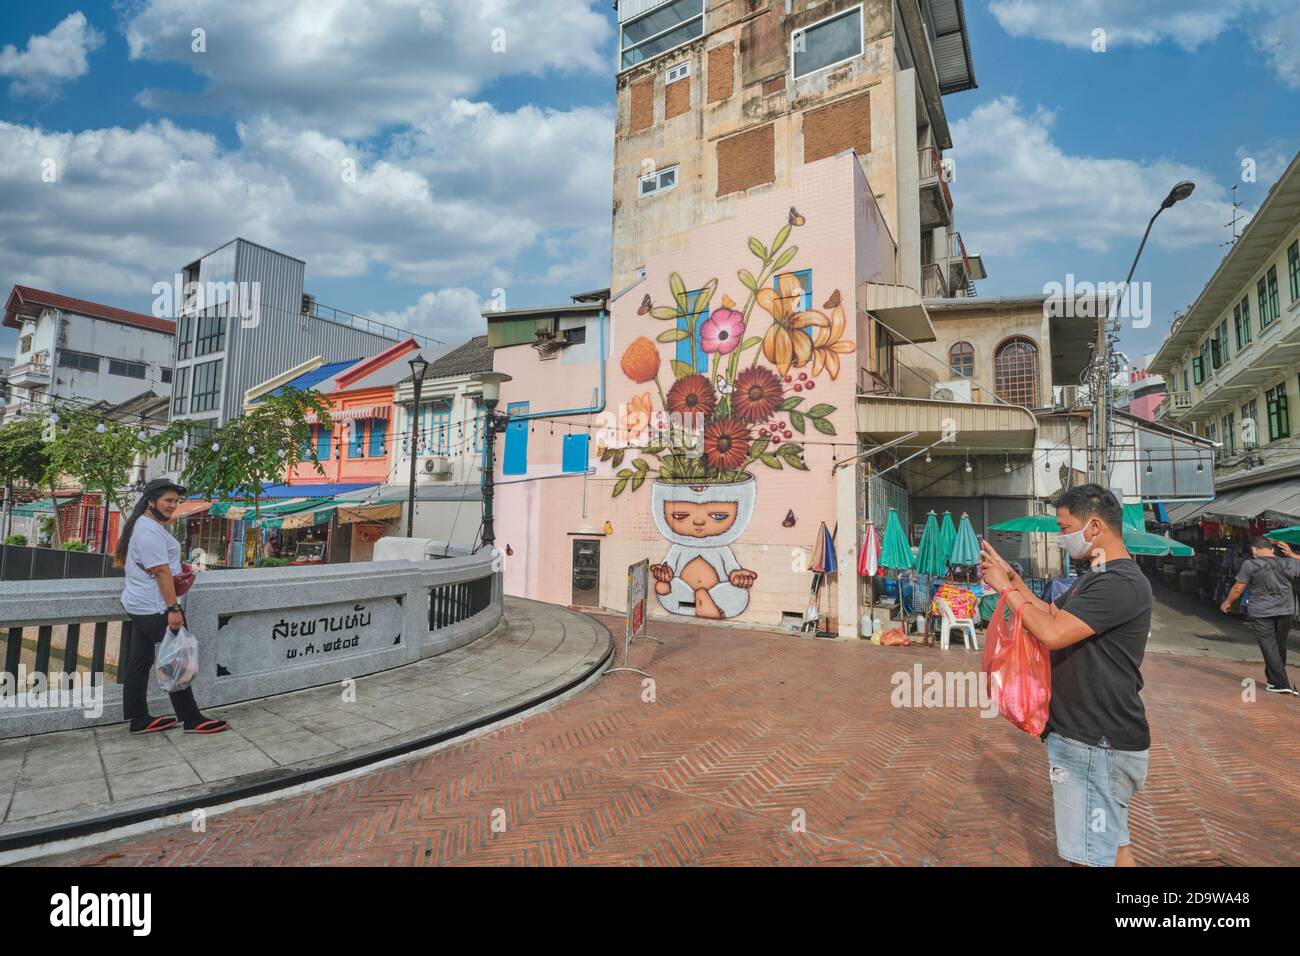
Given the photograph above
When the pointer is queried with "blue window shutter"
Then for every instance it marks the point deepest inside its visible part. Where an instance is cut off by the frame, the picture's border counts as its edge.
(378, 433)
(322, 442)
(515, 461)
(575, 453)
(684, 345)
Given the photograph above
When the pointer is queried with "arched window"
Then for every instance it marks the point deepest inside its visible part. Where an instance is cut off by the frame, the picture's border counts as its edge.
(961, 360)
(1015, 371)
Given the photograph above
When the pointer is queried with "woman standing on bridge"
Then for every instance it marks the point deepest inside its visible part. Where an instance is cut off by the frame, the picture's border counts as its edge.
(151, 557)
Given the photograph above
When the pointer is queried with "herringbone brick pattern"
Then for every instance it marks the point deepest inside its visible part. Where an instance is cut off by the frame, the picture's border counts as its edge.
(767, 749)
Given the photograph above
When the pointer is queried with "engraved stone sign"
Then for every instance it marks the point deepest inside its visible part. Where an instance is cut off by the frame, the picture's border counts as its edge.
(258, 641)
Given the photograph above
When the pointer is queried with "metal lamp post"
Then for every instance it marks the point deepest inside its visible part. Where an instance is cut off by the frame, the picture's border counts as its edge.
(493, 423)
(419, 366)
(1102, 398)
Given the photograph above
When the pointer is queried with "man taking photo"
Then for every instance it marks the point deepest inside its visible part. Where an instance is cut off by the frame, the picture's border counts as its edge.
(1097, 733)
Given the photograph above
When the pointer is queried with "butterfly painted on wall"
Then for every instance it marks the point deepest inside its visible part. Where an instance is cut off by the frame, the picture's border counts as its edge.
(645, 305)
(789, 519)
(833, 301)
(724, 387)
(795, 218)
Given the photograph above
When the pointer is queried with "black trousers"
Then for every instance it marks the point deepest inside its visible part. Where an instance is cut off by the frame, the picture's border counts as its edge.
(1271, 633)
(147, 632)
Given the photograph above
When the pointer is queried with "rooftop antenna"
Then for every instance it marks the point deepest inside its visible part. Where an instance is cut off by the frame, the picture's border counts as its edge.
(1236, 218)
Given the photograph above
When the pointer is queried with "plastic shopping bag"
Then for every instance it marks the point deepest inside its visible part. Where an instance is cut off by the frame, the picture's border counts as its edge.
(177, 661)
(1018, 670)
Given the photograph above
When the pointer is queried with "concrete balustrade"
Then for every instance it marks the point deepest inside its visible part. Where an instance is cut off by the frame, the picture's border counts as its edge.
(261, 631)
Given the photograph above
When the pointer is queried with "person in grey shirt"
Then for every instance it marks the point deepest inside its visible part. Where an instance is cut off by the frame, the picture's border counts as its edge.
(1271, 607)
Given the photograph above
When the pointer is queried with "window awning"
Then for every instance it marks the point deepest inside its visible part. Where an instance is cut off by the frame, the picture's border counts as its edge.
(191, 509)
(899, 308)
(348, 512)
(352, 414)
(983, 428)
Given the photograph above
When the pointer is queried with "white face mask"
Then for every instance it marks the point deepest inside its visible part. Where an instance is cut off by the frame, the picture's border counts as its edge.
(1074, 544)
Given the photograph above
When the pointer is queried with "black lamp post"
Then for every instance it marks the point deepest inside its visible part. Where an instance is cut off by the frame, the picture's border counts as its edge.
(1102, 400)
(419, 366)
(493, 423)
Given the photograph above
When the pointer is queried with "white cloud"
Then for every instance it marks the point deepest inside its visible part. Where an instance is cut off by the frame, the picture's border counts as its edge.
(1016, 190)
(1273, 26)
(451, 315)
(352, 67)
(52, 59)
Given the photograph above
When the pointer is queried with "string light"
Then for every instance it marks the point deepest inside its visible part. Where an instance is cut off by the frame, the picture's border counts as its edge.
(1006, 469)
(968, 468)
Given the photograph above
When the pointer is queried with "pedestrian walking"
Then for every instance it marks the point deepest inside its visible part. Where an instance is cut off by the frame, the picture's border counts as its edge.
(1097, 734)
(1271, 607)
(151, 559)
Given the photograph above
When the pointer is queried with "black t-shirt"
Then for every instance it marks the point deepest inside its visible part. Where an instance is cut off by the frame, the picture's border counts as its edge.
(1095, 683)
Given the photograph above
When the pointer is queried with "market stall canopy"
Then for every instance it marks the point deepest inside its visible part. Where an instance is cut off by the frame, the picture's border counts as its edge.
(348, 512)
(43, 506)
(1029, 524)
(1149, 543)
(1290, 535)
(1279, 500)
(191, 509)
(1135, 517)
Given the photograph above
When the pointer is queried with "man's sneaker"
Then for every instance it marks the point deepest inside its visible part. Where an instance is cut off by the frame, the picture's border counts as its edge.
(1278, 690)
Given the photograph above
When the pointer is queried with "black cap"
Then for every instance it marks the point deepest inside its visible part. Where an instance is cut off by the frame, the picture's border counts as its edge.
(159, 485)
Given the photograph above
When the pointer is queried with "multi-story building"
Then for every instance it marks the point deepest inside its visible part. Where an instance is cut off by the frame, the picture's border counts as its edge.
(1232, 364)
(242, 318)
(83, 352)
(720, 99)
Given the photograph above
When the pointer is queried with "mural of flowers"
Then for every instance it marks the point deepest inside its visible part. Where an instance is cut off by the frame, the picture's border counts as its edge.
(740, 408)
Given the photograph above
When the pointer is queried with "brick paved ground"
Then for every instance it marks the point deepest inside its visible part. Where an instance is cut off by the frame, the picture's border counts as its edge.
(748, 731)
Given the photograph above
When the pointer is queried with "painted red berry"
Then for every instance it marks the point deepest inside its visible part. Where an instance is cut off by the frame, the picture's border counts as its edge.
(810, 385)
(789, 378)
(787, 435)
(803, 376)
(798, 388)
(762, 433)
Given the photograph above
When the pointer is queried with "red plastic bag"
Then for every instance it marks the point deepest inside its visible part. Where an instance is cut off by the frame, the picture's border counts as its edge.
(1018, 670)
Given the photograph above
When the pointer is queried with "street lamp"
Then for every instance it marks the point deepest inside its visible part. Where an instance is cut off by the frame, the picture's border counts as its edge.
(419, 366)
(1102, 398)
(493, 423)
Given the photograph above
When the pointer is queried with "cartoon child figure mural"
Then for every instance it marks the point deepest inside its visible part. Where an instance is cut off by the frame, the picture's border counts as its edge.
(723, 415)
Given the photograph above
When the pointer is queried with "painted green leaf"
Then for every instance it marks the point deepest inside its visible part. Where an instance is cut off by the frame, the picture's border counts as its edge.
(758, 448)
(780, 239)
(786, 258)
(664, 312)
(626, 473)
(619, 486)
(706, 295)
(757, 248)
(791, 402)
(750, 342)
(618, 458)
(679, 290)
(641, 465)
(819, 411)
(796, 420)
(672, 335)
(823, 426)
(681, 369)
(747, 280)
(795, 460)
(770, 460)
(639, 480)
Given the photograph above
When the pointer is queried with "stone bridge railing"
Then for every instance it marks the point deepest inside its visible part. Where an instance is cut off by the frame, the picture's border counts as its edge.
(260, 632)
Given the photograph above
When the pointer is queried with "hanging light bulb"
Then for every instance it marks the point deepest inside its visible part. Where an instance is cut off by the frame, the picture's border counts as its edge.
(54, 417)
(141, 434)
(968, 468)
(101, 428)
(1006, 469)
(252, 450)
(927, 456)
(216, 446)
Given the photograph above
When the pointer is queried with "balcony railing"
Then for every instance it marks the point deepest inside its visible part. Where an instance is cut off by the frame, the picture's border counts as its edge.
(931, 169)
(934, 283)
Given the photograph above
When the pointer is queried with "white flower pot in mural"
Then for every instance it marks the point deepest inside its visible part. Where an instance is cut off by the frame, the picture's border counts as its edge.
(700, 575)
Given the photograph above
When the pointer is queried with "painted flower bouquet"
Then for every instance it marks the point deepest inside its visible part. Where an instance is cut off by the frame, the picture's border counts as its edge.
(734, 399)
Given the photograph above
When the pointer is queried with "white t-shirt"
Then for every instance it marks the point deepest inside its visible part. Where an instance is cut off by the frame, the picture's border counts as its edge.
(151, 545)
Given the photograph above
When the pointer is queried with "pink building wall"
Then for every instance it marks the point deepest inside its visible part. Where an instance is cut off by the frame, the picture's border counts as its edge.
(838, 233)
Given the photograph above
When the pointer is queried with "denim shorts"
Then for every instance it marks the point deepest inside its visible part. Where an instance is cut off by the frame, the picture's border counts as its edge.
(1091, 789)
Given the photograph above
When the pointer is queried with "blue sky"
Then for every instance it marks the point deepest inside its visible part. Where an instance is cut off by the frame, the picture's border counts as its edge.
(481, 168)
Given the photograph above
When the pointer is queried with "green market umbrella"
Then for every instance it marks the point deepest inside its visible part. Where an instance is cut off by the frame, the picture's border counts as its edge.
(1135, 517)
(966, 549)
(897, 552)
(947, 534)
(1029, 523)
(1290, 535)
(930, 560)
(1147, 542)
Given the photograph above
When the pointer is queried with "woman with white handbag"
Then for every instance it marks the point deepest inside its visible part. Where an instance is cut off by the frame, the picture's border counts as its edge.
(155, 579)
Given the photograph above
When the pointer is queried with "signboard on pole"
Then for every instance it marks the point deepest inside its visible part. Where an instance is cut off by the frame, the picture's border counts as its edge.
(638, 585)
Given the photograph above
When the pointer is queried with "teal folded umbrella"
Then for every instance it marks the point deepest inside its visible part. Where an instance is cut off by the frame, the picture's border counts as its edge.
(897, 552)
(966, 549)
(930, 559)
(1029, 523)
(947, 534)
(1290, 535)
(1135, 517)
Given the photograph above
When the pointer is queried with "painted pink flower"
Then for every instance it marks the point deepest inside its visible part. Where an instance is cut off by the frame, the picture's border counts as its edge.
(722, 332)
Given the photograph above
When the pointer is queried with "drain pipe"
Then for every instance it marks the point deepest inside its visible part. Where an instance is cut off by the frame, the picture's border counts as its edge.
(594, 409)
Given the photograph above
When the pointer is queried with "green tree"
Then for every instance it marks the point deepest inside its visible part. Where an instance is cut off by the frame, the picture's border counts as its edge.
(101, 455)
(23, 458)
(260, 447)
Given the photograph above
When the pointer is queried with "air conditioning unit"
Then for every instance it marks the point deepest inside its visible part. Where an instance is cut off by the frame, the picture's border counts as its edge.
(437, 466)
(957, 390)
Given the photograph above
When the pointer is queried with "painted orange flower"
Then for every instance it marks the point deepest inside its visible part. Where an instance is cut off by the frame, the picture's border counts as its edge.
(785, 342)
(641, 360)
(636, 421)
(757, 394)
(726, 444)
(828, 344)
(692, 395)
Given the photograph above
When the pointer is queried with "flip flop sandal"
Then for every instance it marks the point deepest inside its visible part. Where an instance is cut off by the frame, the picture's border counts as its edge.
(209, 727)
(156, 725)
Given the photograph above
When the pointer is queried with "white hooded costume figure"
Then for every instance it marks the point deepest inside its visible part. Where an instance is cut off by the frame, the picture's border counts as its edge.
(730, 599)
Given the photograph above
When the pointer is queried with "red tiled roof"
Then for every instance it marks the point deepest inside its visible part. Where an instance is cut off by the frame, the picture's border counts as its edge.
(364, 368)
(25, 295)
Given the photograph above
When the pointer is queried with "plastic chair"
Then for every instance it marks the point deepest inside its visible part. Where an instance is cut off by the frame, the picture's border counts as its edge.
(950, 621)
